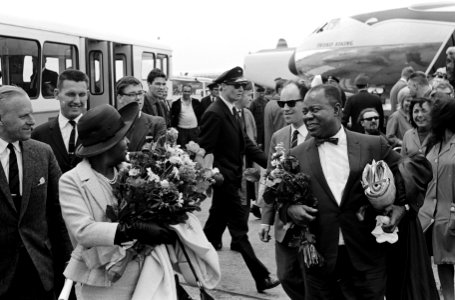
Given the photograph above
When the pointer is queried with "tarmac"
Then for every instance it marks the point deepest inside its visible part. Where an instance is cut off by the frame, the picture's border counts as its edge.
(236, 281)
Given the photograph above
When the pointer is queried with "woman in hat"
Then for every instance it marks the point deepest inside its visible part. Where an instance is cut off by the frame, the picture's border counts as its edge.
(85, 191)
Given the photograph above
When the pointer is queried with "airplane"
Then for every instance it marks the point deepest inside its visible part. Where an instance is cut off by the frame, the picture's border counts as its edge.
(377, 44)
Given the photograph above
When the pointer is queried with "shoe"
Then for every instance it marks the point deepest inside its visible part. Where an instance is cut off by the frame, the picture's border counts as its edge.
(256, 211)
(235, 247)
(267, 283)
(217, 246)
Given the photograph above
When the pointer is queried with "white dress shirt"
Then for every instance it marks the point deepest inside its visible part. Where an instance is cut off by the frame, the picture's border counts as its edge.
(66, 128)
(4, 157)
(303, 132)
(335, 166)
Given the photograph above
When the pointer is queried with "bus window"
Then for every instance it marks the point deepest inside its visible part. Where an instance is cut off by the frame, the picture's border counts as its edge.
(96, 72)
(120, 66)
(1, 77)
(57, 57)
(162, 63)
(17, 63)
(148, 64)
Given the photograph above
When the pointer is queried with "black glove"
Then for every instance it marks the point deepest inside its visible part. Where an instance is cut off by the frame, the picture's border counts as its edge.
(148, 233)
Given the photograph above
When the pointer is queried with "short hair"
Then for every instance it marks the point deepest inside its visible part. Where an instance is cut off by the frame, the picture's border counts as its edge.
(248, 86)
(403, 94)
(420, 102)
(124, 82)
(303, 90)
(155, 73)
(364, 111)
(9, 91)
(450, 51)
(73, 75)
(419, 77)
(332, 93)
(279, 83)
(406, 72)
(442, 116)
(187, 85)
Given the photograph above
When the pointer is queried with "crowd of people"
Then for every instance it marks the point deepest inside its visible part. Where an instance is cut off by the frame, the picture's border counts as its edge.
(54, 226)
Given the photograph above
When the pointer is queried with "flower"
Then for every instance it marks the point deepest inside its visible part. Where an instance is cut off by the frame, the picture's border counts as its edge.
(134, 172)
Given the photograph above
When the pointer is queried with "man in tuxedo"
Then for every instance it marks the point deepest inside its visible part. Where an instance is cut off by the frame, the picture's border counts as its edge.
(34, 243)
(207, 100)
(334, 158)
(129, 89)
(155, 99)
(289, 260)
(61, 132)
(222, 135)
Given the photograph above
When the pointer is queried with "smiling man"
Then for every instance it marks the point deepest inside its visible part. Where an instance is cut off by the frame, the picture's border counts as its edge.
(289, 260)
(334, 159)
(61, 132)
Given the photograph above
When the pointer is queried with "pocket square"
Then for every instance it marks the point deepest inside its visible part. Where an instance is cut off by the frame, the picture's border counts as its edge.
(41, 181)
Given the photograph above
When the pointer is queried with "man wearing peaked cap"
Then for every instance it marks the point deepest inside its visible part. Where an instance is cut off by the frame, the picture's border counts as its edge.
(222, 135)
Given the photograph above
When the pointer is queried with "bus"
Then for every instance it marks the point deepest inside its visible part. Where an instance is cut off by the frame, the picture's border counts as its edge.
(31, 55)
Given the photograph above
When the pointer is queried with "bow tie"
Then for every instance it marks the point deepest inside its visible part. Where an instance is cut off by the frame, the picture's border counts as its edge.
(320, 141)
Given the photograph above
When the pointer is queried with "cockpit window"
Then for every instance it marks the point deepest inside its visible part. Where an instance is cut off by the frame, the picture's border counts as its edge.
(328, 26)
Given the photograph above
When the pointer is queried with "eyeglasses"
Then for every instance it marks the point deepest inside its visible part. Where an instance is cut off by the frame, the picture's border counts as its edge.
(371, 118)
(236, 85)
(133, 95)
(290, 103)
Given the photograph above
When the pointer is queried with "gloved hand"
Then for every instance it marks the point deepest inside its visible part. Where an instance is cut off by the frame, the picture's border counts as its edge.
(396, 213)
(148, 233)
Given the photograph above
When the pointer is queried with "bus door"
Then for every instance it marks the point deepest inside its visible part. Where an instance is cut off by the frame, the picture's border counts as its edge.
(100, 69)
(123, 54)
(439, 59)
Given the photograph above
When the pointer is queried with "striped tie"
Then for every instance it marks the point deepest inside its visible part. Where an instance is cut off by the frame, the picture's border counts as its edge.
(294, 138)
(13, 176)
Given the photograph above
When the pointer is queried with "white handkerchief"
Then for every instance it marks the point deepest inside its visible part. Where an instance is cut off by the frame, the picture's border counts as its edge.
(41, 181)
(382, 236)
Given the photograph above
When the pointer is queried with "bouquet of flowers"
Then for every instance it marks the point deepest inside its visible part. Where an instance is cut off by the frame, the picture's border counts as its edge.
(285, 184)
(162, 183)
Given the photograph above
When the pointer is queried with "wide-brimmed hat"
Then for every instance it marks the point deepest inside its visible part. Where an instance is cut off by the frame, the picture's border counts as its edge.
(102, 127)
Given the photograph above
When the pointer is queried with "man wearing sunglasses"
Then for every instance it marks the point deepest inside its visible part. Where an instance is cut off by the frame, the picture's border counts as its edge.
(290, 267)
(129, 89)
(222, 135)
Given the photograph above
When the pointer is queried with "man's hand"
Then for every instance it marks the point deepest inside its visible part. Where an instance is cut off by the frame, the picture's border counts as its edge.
(395, 213)
(264, 233)
(301, 214)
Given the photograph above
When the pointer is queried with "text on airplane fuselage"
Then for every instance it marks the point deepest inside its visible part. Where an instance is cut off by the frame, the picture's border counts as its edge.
(335, 44)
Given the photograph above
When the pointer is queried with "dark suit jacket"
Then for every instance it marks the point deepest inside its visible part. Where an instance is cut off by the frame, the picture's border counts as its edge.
(176, 108)
(222, 135)
(364, 251)
(156, 107)
(39, 225)
(145, 125)
(356, 104)
(205, 103)
(50, 134)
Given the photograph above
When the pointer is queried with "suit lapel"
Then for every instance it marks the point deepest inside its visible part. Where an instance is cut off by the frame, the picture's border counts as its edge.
(57, 139)
(91, 184)
(28, 167)
(137, 133)
(4, 188)
(354, 157)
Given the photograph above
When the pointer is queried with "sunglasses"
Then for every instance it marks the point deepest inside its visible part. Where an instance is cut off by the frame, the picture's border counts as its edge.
(290, 103)
(371, 118)
(236, 85)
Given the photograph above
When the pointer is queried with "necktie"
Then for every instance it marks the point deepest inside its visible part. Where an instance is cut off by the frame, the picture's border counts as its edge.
(236, 115)
(13, 176)
(72, 141)
(320, 141)
(294, 138)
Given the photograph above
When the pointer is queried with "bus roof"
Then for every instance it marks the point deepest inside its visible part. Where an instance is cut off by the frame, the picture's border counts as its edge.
(77, 31)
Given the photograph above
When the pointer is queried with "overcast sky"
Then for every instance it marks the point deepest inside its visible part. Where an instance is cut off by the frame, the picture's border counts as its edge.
(206, 36)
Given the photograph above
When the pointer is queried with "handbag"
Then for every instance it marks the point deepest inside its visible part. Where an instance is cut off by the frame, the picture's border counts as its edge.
(203, 292)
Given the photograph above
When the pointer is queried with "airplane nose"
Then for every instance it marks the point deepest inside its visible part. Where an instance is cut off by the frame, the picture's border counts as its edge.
(291, 64)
